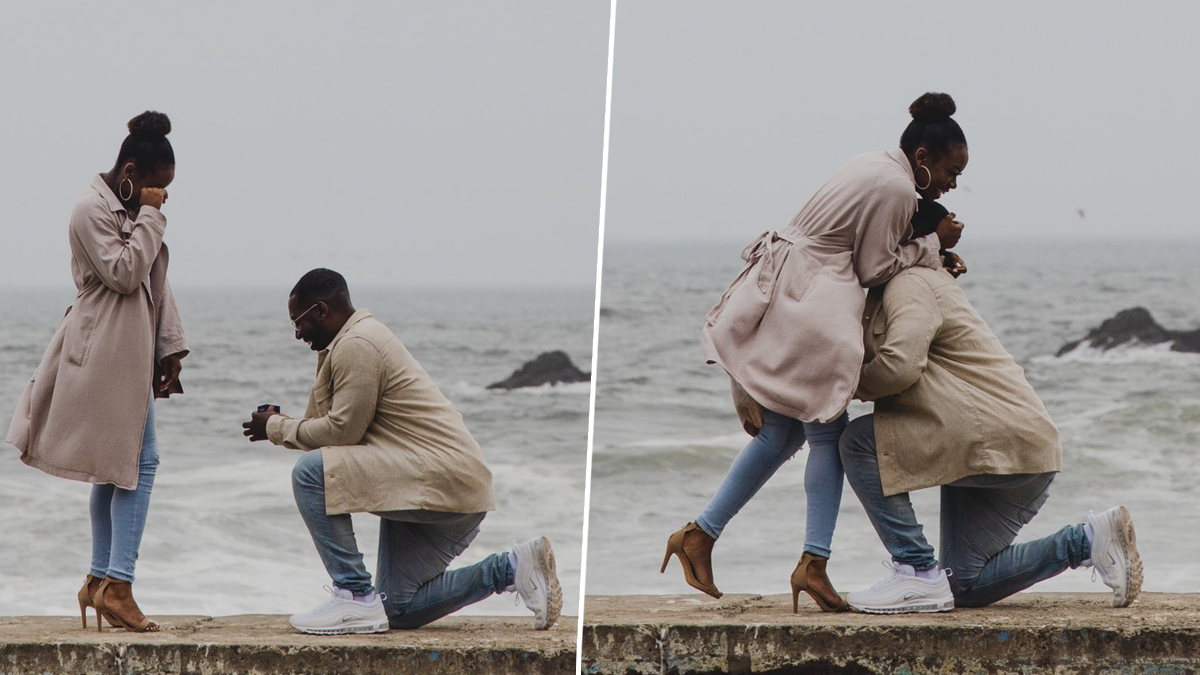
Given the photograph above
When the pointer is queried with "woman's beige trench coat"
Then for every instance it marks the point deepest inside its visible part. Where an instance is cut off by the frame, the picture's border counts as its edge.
(789, 327)
(83, 413)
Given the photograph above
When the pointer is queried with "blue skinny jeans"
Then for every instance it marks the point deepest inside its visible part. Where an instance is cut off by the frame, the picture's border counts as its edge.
(415, 548)
(778, 440)
(119, 516)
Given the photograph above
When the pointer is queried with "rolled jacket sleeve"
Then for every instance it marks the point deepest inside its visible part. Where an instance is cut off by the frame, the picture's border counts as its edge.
(170, 338)
(121, 263)
(879, 254)
(357, 376)
(912, 319)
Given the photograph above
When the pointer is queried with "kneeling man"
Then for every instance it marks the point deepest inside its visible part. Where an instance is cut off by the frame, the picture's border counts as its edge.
(381, 438)
(953, 409)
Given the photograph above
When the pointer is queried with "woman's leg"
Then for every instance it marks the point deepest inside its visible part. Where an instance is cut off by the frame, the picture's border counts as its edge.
(100, 506)
(823, 479)
(776, 443)
(129, 508)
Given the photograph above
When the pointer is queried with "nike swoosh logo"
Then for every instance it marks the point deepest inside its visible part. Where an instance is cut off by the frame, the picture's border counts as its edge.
(910, 596)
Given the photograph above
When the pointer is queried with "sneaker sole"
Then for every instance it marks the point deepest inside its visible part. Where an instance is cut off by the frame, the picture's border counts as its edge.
(554, 597)
(915, 608)
(345, 630)
(1133, 571)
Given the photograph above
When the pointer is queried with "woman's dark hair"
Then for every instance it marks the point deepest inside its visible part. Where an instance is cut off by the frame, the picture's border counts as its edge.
(147, 145)
(932, 125)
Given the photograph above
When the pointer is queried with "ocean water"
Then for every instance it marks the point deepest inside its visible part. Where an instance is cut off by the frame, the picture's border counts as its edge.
(223, 534)
(665, 432)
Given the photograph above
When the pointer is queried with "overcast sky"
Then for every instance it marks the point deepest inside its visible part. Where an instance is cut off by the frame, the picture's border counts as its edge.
(726, 117)
(409, 143)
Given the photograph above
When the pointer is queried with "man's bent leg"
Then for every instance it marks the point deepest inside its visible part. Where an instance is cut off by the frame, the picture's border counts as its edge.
(981, 516)
(415, 548)
(332, 535)
(893, 517)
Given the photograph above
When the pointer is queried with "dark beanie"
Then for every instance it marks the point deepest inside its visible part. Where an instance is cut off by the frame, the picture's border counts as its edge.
(929, 214)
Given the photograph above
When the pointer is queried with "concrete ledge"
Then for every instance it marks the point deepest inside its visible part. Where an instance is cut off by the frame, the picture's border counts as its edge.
(1031, 634)
(266, 645)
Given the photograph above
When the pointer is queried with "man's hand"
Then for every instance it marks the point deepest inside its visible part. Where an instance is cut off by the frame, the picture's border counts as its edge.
(954, 264)
(256, 428)
(749, 411)
(949, 231)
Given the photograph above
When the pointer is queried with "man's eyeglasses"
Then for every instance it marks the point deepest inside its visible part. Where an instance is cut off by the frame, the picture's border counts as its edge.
(294, 326)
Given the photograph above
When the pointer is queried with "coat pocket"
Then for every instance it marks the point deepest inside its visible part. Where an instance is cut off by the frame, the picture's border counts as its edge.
(79, 339)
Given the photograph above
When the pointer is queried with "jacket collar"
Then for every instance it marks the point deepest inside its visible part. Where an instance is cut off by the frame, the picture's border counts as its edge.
(106, 192)
(357, 316)
(897, 155)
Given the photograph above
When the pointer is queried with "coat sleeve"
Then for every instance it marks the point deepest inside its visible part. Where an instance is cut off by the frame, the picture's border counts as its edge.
(170, 326)
(122, 264)
(357, 373)
(912, 319)
(879, 253)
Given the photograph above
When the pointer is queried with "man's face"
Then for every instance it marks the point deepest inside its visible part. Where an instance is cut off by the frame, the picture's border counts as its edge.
(309, 320)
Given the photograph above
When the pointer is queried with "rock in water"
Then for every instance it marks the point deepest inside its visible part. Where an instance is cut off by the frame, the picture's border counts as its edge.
(548, 367)
(1135, 327)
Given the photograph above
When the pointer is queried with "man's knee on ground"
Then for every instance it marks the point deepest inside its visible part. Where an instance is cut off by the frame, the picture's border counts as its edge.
(963, 590)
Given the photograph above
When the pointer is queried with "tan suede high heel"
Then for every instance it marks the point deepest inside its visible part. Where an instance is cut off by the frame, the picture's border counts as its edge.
(821, 590)
(675, 547)
(144, 625)
(85, 599)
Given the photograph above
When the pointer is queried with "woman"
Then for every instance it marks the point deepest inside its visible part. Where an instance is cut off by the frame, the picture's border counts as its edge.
(88, 412)
(788, 332)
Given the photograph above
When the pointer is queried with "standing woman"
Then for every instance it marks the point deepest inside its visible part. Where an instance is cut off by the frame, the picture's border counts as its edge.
(88, 412)
(788, 331)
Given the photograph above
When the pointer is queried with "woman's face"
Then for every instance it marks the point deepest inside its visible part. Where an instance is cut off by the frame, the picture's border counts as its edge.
(943, 171)
(159, 178)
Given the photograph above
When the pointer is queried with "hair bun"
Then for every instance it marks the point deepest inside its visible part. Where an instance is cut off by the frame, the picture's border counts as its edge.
(932, 107)
(150, 124)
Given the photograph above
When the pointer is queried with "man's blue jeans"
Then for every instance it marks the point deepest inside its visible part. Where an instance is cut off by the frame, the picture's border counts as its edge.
(415, 548)
(778, 440)
(981, 516)
(119, 516)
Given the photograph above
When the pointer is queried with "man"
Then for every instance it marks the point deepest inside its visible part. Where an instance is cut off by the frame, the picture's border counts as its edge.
(953, 409)
(381, 438)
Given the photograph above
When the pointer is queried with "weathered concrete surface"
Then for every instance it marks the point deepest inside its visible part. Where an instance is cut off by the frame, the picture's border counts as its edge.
(266, 645)
(1032, 634)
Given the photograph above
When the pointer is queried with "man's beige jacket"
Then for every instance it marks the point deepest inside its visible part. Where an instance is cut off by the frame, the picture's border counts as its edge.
(389, 439)
(950, 401)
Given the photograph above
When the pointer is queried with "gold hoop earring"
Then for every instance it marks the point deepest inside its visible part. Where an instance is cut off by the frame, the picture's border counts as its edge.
(928, 178)
(121, 189)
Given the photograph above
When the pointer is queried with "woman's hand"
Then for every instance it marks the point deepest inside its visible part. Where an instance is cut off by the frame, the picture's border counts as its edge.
(153, 197)
(949, 231)
(749, 411)
(168, 372)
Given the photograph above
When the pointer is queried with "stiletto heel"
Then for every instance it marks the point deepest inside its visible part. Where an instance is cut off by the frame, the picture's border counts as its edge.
(85, 599)
(824, 597)
(675, 547)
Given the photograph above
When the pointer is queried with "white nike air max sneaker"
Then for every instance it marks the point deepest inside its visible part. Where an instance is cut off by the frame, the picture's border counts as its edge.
(536, 581)
(1115, 555)
(904, 592)
(343, 615)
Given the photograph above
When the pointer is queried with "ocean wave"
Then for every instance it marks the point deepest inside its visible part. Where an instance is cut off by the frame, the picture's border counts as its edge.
(1123, 354)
